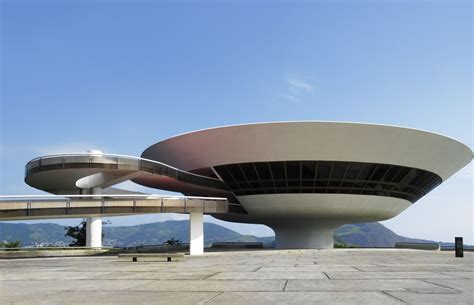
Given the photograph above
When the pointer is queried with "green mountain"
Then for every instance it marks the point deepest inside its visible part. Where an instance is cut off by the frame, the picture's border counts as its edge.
(371, 234)
(38, 234)
(44, 234)
(48, 234)
(158, 232)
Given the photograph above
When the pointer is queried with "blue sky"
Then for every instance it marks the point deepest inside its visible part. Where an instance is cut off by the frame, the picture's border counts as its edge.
(120, 76)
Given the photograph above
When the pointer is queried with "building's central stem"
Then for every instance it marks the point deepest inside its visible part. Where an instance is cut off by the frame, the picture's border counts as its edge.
(299, 234)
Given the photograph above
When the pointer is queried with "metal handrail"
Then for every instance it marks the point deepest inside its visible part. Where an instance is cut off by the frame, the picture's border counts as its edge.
(118, 156)
(100, 196)
(41, 206)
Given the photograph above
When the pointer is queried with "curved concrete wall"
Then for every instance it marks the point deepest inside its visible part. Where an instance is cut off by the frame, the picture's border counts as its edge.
(272, 208)
(309, 220)
(313, 141)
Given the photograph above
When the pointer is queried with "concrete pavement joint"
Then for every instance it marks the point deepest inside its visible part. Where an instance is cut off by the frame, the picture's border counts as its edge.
(208, 276)
(212, 299)
(459, 277)
(394, 297)
(133, 286)
(434, 292)
(440, 285)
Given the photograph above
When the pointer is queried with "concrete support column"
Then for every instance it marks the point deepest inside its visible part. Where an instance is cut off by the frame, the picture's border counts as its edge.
(304, 240)
(94, 226)
(94, 232)
(301, 234)
(196, 233)
(97, 190)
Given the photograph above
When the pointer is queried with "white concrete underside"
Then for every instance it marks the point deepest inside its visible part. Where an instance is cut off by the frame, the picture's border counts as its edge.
(323, 206)
(309, 220)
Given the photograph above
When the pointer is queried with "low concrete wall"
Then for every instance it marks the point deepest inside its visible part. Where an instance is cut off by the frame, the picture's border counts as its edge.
(27, 253)
(237, 245)
(418, 246)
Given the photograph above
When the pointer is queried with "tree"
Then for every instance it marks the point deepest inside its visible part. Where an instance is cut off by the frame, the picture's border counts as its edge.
(172, 242)
(11, 244)
(78, 234)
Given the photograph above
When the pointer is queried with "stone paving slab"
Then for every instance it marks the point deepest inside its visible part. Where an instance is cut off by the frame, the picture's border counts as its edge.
(264, 275)
(119, 297)
(430, 299)
(310, 268)
(27, 297)
(385, 275)
(51, 275)
(339, 276)
(412, 268)
(366, 285)
(214, 269)
(458, 284)
(153, 275)
(303, 298)
(464, 274)
(128, 267)
(213, 285)
(58, 285)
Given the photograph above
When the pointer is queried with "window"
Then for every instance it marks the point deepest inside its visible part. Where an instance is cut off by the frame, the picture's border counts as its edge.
(328, 177)
(324, 169)
(263, 170)
(278, 170)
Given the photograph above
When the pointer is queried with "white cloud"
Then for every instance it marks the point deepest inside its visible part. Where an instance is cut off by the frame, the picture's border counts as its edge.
(297, 90)
(290, 98)
(297, 85)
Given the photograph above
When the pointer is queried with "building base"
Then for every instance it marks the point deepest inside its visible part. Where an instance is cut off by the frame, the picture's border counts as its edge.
(304, 235)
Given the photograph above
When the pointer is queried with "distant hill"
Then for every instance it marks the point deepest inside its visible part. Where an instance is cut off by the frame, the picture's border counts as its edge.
(44, 234)
(371, 234)
(38, 234)
(158, 232)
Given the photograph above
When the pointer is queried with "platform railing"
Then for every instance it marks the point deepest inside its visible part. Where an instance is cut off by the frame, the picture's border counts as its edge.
(51, 206)
(117, 161)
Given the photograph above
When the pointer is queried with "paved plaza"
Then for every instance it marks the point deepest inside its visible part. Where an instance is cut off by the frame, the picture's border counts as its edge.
(339, 276)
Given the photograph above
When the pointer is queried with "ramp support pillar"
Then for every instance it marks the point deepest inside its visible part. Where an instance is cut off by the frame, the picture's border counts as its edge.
(196, 233)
